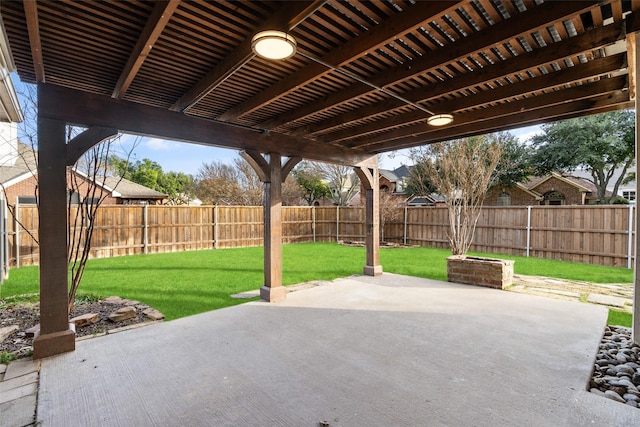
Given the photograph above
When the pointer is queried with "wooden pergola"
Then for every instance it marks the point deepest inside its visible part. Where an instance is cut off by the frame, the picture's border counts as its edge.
(365, 79)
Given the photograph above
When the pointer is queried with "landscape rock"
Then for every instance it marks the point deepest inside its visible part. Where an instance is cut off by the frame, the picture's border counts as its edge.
(153, 314)
(614, 396)
(85, 319)
(624, 369)
(618, 378)
(114, 300)
(629, 396)
(123, 313)
(7, 330)
(33, 331)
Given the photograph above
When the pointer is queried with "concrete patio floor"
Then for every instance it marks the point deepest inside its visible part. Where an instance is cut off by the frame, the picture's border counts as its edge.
(361, 351)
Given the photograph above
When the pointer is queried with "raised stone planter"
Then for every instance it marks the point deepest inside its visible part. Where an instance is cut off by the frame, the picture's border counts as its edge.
(488, 272)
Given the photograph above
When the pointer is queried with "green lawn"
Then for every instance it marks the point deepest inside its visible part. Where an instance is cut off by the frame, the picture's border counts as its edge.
(185, 283)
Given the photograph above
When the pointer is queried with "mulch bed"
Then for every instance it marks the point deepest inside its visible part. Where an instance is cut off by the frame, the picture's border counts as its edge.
(27, 315)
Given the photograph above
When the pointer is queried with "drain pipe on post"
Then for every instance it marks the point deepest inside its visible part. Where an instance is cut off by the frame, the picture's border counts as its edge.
(630, 237)
(404, 237)
(528, 229)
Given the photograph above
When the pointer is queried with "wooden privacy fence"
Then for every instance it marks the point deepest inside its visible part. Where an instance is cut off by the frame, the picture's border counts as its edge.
(589, 234)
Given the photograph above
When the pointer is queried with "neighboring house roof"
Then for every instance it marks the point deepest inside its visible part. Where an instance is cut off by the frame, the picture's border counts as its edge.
(20, 167)
(581, 184)
(428, 200)
(125, 189)
(130, 190)
(403, 171)
(535, 195)
(581, 173)
(10, 106)
(389, 175)
(25, 167)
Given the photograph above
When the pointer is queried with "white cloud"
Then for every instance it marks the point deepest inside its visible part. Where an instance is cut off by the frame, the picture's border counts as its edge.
(524, 134)
(157, 144)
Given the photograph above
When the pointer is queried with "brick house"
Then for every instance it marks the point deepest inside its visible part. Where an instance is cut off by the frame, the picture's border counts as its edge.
(393, 183)
(552, 189)
(18, 178)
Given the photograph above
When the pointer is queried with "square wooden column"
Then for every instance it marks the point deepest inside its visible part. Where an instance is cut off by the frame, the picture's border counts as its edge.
(272, 173)
(55, 336)
(633, 60)
(370, 178)
(273, 291)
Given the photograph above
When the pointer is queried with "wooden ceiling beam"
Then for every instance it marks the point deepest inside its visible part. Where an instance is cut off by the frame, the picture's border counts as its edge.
(495, 34)
(579, 72)
(593, 39)
(291, 15)
(408, 20)
(563, 97)
(536, 117)
(33, 27)
(159, 18)
(86, 109)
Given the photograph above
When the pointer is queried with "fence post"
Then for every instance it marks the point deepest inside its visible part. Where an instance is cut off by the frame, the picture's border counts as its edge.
(337, 223)
(313, 222)
(4, 268)
(16, 224)
(528, 229)
(145, 230)
(630, 237)
(215, 227)
(404, 232)
(5, 241)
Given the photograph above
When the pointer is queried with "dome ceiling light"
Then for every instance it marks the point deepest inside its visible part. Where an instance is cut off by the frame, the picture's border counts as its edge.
(440, 119)
(273, 44)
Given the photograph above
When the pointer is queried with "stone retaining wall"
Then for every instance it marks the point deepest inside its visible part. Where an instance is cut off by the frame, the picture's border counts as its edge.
(489, 272)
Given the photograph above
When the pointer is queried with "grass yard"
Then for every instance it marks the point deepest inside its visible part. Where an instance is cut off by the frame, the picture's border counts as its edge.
(185, 283)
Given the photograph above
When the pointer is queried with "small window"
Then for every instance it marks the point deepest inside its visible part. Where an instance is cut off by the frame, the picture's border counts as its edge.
(73, 197)
(92, 201)
(554, 198)
(629, 194)
(26, 200)
(504, 199)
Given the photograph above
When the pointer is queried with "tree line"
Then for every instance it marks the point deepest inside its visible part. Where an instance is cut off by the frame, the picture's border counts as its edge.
(601, 145)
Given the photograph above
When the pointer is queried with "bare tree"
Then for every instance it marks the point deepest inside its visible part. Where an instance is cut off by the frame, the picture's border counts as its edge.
(86, 181)
(252, 189)
(237, 184)
(218, 183)
(341, 179)
(462, 172)
(390, 210)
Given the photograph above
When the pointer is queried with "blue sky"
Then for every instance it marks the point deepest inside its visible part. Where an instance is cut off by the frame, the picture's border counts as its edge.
(188, 158)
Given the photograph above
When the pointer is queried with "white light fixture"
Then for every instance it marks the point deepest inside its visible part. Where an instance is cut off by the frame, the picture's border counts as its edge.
(440, 119)
(273, 44)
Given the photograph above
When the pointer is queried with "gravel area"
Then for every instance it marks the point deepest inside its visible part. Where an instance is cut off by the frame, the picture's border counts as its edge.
(616, 372)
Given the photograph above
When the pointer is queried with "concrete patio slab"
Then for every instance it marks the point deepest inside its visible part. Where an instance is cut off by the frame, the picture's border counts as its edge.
(362, 351)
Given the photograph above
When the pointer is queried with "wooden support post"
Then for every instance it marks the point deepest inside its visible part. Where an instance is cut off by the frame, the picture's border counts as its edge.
(369, 176)
(633, 60)
(55, 336)
(272, 290)
(272, 173)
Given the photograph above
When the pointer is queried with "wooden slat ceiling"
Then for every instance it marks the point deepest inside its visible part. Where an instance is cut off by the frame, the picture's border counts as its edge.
(494, 65)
